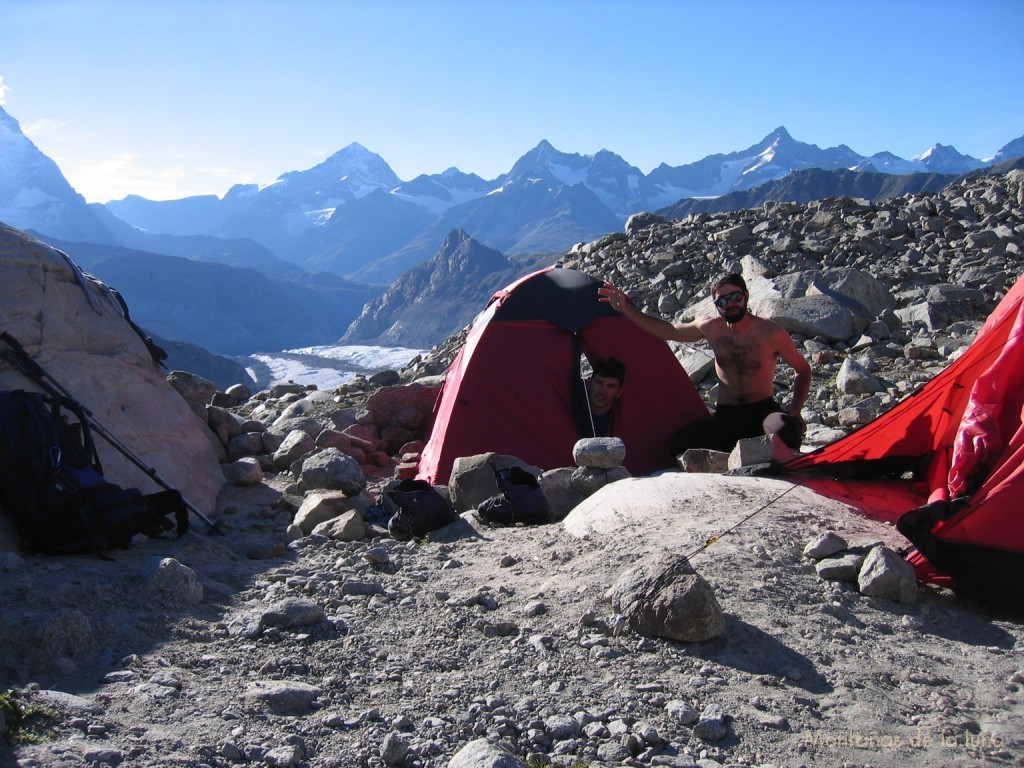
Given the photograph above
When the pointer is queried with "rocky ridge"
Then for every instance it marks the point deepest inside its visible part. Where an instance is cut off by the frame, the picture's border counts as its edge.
(277, 645)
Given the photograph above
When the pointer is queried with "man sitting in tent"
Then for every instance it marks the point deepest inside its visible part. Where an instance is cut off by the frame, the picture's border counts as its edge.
(604, 387)
(747, 349)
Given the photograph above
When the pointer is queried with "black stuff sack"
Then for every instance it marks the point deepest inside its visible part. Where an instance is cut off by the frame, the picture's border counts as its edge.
(52, 486)
(519, 500)
(421, 509)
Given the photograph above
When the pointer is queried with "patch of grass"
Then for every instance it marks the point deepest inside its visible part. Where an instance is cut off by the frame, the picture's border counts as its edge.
(24, 723)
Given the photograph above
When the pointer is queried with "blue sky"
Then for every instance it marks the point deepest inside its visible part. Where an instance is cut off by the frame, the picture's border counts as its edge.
(167, 99)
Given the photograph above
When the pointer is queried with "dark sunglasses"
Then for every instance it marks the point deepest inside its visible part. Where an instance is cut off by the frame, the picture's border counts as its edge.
(729, 298)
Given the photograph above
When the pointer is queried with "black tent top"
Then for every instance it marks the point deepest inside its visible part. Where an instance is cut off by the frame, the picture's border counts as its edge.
(565, 297)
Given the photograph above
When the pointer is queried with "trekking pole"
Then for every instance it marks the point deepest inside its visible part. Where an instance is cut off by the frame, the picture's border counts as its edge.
(19, 358)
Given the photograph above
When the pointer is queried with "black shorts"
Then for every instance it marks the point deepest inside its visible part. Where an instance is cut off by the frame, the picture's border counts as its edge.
(731, 423)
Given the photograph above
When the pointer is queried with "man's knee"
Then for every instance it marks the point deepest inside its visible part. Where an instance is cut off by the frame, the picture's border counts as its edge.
(788, 428)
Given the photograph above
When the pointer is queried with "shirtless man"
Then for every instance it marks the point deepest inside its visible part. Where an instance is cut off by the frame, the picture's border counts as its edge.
(747, 349)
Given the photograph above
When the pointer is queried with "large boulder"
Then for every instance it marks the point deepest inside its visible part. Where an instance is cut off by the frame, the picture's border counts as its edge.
(72, 326)
(664, 596)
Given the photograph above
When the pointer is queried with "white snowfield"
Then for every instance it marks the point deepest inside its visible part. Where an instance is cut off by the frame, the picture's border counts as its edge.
(327, 366)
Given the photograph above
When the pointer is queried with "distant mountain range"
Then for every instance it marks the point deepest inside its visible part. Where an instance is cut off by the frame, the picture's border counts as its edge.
(352, 216)
(231, 296)
(348, 250)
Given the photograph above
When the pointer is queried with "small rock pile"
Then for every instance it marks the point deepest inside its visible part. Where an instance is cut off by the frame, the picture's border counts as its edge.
(877, 570)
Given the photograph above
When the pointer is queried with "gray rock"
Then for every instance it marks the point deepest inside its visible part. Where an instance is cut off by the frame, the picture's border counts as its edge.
(295, 446)
(68, 633)
(599, 452)
(642, 220)
(348, 526)
(704, 460)
(712, 724)
(294, 417)
(78, 705)
(167, 678)
(244, 471)
(394, 748)
(282, 388)
(387, 378)
(865, 295)
(854, 378)
(365, 587)
(285, 697)
(681, 712)
(333, 470)
(290, 755)
(225, 424)
(613, 751)
(734, 235)
(926, 314)
(664, 597)
(885, 574)
(589, 480)
(272, 441)
(557, 487)
(192, 387)
(825, 545)
(238, 392)
(561, 727)
(245, 444)
(101, 756)
(698, 361)
(321, 506)
(841, 568)
(817, 315)
(245, 626)
(483, 754)
(293, 612)
(759, 450)
(174, 583)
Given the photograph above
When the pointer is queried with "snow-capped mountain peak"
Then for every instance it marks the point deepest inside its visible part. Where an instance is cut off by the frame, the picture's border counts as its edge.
(940, 158)
(33, 192)
(348, 174)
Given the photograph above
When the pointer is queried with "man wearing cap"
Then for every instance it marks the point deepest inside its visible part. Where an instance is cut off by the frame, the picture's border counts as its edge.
(747, 349)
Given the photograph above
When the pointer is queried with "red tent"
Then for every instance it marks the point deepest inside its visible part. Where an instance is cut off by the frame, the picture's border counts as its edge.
(515, 385)
(962, 434)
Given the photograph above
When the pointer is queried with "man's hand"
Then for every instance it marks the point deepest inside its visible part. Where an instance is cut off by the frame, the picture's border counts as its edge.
(609, 294)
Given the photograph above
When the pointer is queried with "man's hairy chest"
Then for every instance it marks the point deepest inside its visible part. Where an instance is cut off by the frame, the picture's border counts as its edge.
(741, 354)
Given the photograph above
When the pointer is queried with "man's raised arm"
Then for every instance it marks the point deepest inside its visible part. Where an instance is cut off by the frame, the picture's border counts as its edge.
(655, 326)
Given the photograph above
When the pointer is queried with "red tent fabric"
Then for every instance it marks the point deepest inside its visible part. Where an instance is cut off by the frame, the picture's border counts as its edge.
(963, 432)
(511, 388)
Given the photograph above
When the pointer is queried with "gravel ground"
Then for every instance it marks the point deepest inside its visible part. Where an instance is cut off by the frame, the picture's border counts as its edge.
(374, 653)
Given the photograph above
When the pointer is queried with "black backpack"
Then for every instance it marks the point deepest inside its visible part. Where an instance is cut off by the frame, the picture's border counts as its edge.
(52, 486)
(519, 499)
(420, 509)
